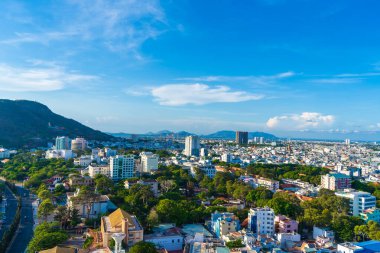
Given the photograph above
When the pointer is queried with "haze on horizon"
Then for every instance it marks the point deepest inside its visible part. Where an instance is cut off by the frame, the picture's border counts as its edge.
(300, 68)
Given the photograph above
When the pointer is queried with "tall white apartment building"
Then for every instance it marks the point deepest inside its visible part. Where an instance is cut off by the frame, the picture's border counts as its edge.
(78, 144)
(192, 145)
(149, 162)
(226, 158)
(94, 170)
(359, 201)
(261, 220)
(4, 153)
(122, 167)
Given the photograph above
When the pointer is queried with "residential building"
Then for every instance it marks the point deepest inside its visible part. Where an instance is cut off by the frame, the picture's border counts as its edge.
(94, 169)
(78, 144)
(323, 232)
(206, 167)
(62, 142)
(241, 137)
(284, 224)
(224, 223)
(359, 201)
(335, 181)
(283, 238)
(64, 249)
(204, 152)
(151, 182)
(122, 167)
(261, 220)
(149, 162)
(4, 153)
(226, 157)
(98, 206)
(78, 181)
(83, 161)
(167, 237)
(65, 154)
(371, 214)
(121, 222)
(359, 247)
(270, 184)
(192, 145)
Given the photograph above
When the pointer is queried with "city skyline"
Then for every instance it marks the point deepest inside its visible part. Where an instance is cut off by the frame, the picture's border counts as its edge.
(301, 68)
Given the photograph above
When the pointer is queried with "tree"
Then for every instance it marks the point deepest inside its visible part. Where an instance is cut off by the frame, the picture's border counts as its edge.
(45, 208)
(44, 194)
(62, 216)
(152, 218)
(235, 244)
(143, 247)
(46, 236)
(87, 197)
(103, 184)
(167, 185)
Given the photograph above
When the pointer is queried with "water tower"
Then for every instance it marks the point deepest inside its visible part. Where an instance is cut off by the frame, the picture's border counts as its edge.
(118, 238)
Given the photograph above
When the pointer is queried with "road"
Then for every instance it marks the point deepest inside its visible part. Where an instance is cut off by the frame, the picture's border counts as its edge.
(25, 231)
(10, 210)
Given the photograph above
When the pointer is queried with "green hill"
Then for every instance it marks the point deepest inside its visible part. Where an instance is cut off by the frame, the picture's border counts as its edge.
(30, 124)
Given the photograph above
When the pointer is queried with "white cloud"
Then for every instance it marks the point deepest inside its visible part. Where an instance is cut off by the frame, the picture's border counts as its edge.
(38, 78)
(199, 94)
(334, 80)
(305, 120)
(118, 25)
(257, 79)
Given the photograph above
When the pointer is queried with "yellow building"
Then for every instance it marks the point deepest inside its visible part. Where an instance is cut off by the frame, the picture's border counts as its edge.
(121, 222)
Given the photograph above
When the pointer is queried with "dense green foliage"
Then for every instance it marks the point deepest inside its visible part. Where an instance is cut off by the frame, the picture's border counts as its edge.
(293, 171)
(235, 244)
(143, 247)
(46, 236)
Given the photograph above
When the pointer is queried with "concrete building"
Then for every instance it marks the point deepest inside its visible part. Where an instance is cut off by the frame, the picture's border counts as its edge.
(65, 154)
(359, 247)
(62, 142)
(320, 232)
(83, 161)
(283, 238)
(149, 162)
(261, 220)
(284, 224)
(78, 181)
(335, 181)
(166, 236)
(224, 223)
(226, 157)
(78, 144)
(4, 153)
(121, 222)
(371, 214)
(241, 137)
(151, 182)
(204, 152)
(359, 201)
(94, 169)
(270, 184)
(192, 145)
(122, 167)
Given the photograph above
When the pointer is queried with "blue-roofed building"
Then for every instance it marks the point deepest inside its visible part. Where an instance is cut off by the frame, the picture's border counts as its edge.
(359, 247)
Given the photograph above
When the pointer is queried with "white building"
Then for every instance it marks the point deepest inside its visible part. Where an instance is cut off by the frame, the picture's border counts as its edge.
(4, 153)
(359, 201)
(261, 220)
(65, 154)
(94, 170)
(226, 158)
(204, 152)
(149, 162)
(78, 144)
(285, 237)
(192, 145)
(270, 184)
(83, 161)
(122, 167)
(207, 168)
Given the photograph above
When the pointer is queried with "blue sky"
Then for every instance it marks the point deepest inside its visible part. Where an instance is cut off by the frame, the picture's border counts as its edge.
(305, 68)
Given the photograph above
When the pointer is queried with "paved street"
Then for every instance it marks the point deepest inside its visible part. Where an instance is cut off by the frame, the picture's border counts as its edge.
(10, 210)
(25, 232)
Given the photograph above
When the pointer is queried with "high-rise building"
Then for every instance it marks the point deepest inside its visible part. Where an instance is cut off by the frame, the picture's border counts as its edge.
(204, 152)
(192, 145)
(261, 220)
(241, 137)
(348, 141)
(359, 201)
(78, 144)
(335, 181)
(122, 167)
(62, 143)
(149, 162)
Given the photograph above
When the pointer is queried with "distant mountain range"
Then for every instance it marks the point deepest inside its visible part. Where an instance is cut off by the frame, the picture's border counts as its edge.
(26, 123)
(225, 134)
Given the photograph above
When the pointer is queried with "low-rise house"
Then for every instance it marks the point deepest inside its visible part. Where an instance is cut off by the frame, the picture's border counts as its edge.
(121, 222)
(99, 205)
(224, 223)
(94, 169)
(166, 236)
(284, 224)
(151, 182)
(78, 181)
